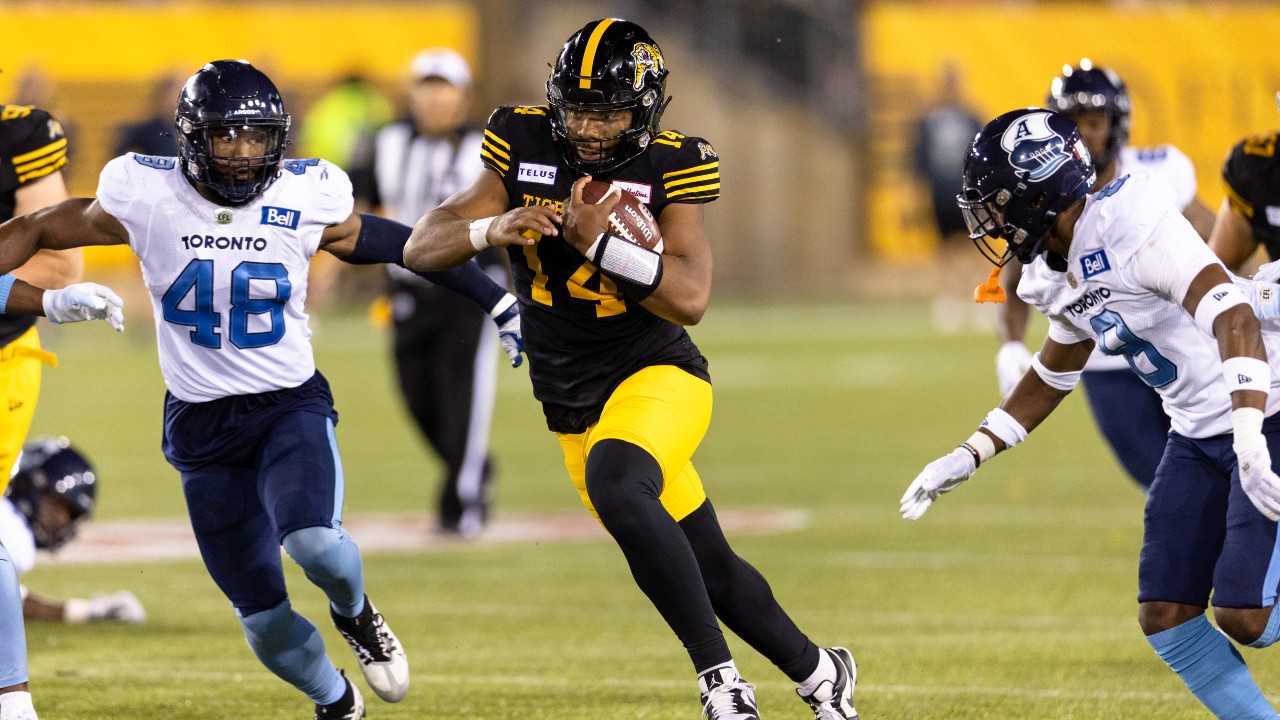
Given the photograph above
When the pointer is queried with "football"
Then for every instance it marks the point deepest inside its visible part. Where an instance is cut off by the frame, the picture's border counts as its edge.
(630, 219)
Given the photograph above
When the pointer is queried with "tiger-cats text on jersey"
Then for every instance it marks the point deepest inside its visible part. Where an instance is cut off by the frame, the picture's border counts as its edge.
(582, 335)
(32, 146)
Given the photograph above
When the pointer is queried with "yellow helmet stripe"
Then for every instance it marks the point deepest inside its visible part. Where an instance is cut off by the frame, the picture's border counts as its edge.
(589, 55)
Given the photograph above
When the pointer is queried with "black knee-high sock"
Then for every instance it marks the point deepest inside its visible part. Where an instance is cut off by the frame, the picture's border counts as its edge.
(743, 600)
(624, 482)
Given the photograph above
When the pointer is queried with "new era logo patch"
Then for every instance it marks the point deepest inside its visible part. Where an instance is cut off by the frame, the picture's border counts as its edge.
(1094, 263)
(280, 217)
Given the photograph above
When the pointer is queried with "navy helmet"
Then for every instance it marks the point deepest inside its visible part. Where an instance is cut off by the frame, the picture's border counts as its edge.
(1089, 87)
(227, 98)
(609, 65)
(1022, 169)
(52, 474)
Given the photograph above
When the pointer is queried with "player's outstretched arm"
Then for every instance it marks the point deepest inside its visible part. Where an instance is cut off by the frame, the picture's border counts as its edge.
(122, 606)
(1055, 370)
(77, 222)
(365, 239)
(473, 219)
(1221, 309)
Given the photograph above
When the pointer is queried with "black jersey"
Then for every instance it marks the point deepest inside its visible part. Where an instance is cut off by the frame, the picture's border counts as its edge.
(582, 335)
(1251, 175)
(32, 145)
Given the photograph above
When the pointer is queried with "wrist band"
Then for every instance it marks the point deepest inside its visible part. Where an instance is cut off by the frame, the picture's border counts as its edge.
(1246, 373)
(478, 232)
(1004, 426)
(6, 284)
(981, 445)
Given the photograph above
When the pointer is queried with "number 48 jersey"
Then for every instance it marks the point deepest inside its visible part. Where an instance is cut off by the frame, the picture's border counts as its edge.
(227, 284)
(1131, 261)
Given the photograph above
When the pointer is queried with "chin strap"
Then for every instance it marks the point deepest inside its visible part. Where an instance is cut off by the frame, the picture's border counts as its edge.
(990, 291)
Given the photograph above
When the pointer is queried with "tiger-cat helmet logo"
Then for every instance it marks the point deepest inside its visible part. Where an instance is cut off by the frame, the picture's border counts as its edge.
(648, 60)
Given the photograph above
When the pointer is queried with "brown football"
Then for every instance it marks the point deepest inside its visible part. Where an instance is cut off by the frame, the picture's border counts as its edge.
(630, 219)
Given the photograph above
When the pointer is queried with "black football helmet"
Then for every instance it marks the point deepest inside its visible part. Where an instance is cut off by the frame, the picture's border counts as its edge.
(1088, 87)
(51, 471)
(229, 97)
(1022, 169)
(608, 65)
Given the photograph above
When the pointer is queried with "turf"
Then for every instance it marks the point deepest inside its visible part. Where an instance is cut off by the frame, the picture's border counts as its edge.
(1012, 598)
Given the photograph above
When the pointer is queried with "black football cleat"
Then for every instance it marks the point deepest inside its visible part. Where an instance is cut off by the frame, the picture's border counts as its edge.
(834, 700)
(348, 707)
(381, 656)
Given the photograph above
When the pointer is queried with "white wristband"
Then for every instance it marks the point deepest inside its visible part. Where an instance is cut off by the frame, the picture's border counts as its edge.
(75, 611)
(1246, 373)
(507, 301)
(1004, 426)
(982, 444)
(1218, 300)
(479, 231)
(1246, 429)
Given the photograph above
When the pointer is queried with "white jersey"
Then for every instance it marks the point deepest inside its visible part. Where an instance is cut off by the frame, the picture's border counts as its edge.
(1176, 168)
(227, 284)
(16, 537)
(1131, 260)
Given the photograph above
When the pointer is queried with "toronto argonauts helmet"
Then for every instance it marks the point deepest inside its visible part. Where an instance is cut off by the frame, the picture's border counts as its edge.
(1089, 87)
(52, 473)
(1022, 169)
(228, 98)
(609, 65)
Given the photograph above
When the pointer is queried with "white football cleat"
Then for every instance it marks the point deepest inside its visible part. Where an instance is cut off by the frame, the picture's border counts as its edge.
(834, 700)
(381, 656)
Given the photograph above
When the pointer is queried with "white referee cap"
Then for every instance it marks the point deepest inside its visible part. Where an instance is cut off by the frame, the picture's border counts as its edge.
(442, 63)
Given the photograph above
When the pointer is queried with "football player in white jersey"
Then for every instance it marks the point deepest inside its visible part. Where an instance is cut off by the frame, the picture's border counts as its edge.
(1122, 269)
(1127, 411)
(225, 233)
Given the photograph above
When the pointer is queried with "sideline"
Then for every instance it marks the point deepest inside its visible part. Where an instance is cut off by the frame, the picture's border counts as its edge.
(119, 541)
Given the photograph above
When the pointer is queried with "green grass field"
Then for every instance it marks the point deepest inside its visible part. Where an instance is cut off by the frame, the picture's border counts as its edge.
(1012, 598)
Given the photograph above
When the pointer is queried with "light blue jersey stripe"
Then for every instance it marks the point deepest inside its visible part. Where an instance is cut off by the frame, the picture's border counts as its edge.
(1273, 575)
(339, 482)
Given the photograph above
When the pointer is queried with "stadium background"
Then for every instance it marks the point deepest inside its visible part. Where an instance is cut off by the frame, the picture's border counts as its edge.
(1014, 599)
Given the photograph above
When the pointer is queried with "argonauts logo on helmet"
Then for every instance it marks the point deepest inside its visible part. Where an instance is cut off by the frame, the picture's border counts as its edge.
(648, 59)
(1035, 149)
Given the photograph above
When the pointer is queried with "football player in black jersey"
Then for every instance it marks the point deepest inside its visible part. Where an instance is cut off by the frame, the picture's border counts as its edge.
(621, 383)
(1250, 215)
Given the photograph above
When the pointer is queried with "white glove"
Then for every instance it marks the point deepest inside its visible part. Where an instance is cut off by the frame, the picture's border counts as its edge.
(120, 606)
(508, 320)
(1012, 362)
(1259, 482)
(1268, 272)
(84, 301)
(938, 477)
(1263, 296)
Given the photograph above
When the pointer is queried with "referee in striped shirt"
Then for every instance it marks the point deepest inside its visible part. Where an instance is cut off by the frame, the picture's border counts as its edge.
(445, 346)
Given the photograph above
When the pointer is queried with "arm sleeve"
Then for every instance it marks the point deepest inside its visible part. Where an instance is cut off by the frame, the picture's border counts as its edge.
(382, 241)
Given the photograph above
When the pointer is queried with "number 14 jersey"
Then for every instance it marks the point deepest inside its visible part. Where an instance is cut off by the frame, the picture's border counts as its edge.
(227, 284)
